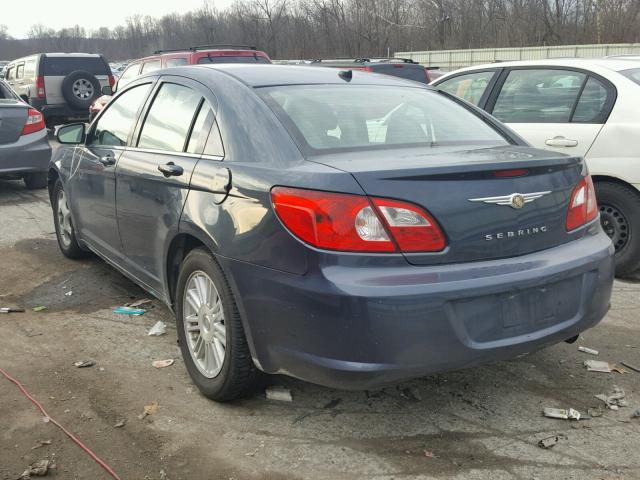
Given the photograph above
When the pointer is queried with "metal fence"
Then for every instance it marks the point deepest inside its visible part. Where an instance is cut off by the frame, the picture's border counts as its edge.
(452, 59)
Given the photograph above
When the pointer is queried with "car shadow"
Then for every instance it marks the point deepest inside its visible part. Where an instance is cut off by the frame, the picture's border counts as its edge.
(14, 192)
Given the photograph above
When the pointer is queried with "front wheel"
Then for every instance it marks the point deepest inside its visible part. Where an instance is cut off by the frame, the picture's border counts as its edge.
(65, 231)
(620, 217)
(212, 339)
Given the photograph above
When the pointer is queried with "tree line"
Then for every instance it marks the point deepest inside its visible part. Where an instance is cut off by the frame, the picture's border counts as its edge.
(305, 29)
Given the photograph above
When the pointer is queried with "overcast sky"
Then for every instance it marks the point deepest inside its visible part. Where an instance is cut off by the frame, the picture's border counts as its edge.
(90, 15)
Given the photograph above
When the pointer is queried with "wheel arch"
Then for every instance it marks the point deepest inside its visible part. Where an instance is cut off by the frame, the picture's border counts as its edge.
(608, 178)
(52, 176)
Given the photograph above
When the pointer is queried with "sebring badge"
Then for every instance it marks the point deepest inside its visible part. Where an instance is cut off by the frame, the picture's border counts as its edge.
(515, 200)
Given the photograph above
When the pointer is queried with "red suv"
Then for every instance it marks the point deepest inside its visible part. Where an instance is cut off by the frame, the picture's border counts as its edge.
(202, 54)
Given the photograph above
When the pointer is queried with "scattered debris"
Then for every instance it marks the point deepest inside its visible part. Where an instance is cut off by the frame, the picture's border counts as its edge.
(11, 310)
(38, 469)
(429, 454)
(84, 363)
(163, 475)
(279, 394)
(163, 363)
(549, 442)
(129, 311)
(636, 414)
(46, 419)
(41, 443)
(39, 308)
(632, 367)
(160, 328)
(615, 399)
(139, 303)
(149, 410)
(603, 367)
(120, 423)
(69, 293)
(565, 414)
(588, 350)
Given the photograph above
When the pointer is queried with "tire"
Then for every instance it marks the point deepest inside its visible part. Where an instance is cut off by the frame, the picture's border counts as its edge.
(67, 241)
(80, 88)
(620, 217)
(35, 181)
(236, 374)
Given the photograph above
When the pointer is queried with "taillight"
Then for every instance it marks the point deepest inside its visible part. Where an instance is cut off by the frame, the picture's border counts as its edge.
(355, 223)
(112, 81)
(34, 123)
(583, 207)
(41, 92)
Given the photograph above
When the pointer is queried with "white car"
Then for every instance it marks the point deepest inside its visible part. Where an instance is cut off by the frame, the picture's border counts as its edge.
(582, 107)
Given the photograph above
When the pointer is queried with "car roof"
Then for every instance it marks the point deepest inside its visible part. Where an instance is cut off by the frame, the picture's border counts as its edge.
(614, 64)
(62, 54)
(273, 75)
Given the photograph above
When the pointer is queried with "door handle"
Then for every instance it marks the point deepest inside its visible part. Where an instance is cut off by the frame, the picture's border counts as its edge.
(561, 141)
(107, 160)
(171, 170)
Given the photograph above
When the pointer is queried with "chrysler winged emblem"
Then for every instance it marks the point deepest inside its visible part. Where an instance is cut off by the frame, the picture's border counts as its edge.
(515, 200)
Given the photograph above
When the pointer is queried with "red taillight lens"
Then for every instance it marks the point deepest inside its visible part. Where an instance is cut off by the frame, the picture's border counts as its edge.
(112, 81)
(34, 123)
(583, 207)
(41, 92)
(338, 221)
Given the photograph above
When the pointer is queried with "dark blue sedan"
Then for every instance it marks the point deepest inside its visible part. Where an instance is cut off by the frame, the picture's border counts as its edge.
(345, 228)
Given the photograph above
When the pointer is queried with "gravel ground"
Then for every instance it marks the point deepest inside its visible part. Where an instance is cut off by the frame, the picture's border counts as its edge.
(478, 423)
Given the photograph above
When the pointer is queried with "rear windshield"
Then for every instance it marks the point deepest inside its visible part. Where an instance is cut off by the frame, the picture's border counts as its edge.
(234, 59)
(62, 66)
(410, 72)
(338, 117)
(633, 74)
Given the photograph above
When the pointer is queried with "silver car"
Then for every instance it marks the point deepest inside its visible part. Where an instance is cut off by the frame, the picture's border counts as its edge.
(24, 146)
(60, 85)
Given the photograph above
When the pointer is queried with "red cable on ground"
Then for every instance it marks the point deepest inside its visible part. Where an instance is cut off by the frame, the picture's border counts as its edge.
(97, 459)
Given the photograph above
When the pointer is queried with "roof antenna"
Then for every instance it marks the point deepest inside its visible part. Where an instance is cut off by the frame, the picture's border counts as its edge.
(346, 75)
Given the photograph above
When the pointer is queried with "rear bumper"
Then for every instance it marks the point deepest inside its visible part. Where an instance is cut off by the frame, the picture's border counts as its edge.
(31, 153)
(62, 111)
(365, 327)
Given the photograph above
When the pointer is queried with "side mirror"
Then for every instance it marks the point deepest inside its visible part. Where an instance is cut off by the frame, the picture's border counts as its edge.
(72, 134)
(107, 90)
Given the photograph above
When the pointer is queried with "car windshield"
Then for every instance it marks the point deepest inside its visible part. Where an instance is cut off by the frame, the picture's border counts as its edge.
(338, 117)
(233, 59)
(632, 74)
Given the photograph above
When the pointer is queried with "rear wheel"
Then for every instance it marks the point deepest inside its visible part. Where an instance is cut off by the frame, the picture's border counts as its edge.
(212, 339)
(65, 231)
(35, 181)
(620, 217)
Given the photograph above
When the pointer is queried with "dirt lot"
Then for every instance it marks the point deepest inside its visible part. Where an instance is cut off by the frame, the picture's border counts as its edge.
(479, 423)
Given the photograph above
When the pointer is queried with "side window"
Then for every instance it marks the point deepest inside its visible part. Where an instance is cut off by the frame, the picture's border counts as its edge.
(538, 96)
(20, 71)
(470, 87)
(592, 103)
(30, 68)
(175, 62)
(114, 125)
(214, 142)
(129, 74)
(201, 128)
(11, 73)
(169, 119)
(151, 66)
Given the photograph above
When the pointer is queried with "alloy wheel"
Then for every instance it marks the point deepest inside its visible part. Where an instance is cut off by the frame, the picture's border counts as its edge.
(83, 89)
(64, 219)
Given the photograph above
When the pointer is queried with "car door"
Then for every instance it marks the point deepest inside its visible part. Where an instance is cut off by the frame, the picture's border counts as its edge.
(153, 176)
(92, 184)
(557, 109)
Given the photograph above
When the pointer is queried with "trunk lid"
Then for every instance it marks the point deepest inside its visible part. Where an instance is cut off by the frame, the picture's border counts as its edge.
(458, 187)
(13, 115)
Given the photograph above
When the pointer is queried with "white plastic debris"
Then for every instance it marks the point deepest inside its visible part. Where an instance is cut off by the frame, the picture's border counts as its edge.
(562, 413)
(163, 363)
(160, 328)
(615, 399)
(69, 293)
(588, 350)
(279, 394)
(597, 366)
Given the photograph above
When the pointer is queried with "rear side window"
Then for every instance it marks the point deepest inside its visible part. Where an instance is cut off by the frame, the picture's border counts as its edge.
(169, 119)
(175, 62)
(11, 73)
(233, 59)
(114, 125)
(63, 66)
(470, 87)
(538, 96)
(201, 128)
(30, 68)
(329, 117)
(6, 92)
(150, 66)
(632, 74)
(591, 107)
(20, 71)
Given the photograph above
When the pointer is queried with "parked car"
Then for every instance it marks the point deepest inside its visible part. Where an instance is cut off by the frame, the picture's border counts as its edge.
(199, 55)
(581, 107)
(24, 147)
(297, 227)
(60, 85)
(397, 67)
